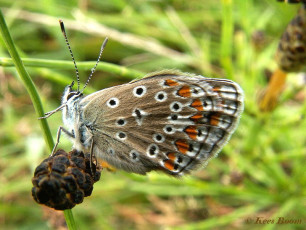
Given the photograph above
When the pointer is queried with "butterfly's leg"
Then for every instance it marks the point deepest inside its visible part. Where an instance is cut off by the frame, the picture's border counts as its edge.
(91, 156)
(48, 114)
(60, 129)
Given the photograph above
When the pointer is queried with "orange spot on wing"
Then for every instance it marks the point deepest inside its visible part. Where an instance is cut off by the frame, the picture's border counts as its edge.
(197, 103)
(170, 82)
(214, 119)
(195, 118)
(184, 91)
(171, 156)
(192, 132)
(216, 89)
(182, 146)
(169, 164)
(106, 165)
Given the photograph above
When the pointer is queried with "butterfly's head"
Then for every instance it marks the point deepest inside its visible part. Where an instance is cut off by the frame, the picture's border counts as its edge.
(69, 100)
(70, 105)
(70, 95)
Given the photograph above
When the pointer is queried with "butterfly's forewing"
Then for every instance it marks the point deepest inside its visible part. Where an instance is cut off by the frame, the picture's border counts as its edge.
(167, 121)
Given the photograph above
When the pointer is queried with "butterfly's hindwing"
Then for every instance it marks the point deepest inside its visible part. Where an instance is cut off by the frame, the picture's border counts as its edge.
(169, 121)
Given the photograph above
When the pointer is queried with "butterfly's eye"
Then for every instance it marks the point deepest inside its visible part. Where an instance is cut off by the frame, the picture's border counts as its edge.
(70, 95)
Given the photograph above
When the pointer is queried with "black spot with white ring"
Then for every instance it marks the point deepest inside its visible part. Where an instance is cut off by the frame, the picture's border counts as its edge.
(179, 160)
(121, 122)
(152, 150)
(174, 117)
(161, 96)
(199, 133)
(113, 102)
(169, 129)
(139, 91)
(197, 91)
(134, 155)
(121, 135)
(158, 138)
(139, 115)
(207, 103)
(176, 106)
(190, 149)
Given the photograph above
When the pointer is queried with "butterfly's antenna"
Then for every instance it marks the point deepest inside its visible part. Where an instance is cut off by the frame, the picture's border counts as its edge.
(67, 42)
(94, 68)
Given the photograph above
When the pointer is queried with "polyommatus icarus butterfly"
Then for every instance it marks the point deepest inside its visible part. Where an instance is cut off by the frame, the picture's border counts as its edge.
(169, 121)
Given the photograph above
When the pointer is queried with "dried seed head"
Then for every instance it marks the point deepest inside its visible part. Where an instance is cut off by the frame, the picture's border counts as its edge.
(64, 179)
(291, 52)
(292, 1)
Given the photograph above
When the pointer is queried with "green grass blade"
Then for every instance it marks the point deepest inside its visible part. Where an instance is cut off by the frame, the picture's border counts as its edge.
(107, 67)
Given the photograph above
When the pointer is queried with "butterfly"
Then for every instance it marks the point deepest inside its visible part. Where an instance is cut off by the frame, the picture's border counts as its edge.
(168, 121)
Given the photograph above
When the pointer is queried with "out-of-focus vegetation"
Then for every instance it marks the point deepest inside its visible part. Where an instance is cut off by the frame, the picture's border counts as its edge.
(260, 173)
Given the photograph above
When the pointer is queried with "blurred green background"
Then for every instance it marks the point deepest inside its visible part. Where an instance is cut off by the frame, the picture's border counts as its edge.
(260, 173)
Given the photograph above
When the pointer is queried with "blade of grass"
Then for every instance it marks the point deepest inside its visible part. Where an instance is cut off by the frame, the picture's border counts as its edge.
(107, 67)
(227, 37)
(92, 27)
(28, 83)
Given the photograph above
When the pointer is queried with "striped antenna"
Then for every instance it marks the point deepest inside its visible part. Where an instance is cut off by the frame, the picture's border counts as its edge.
(67, 42)
(94, 68)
